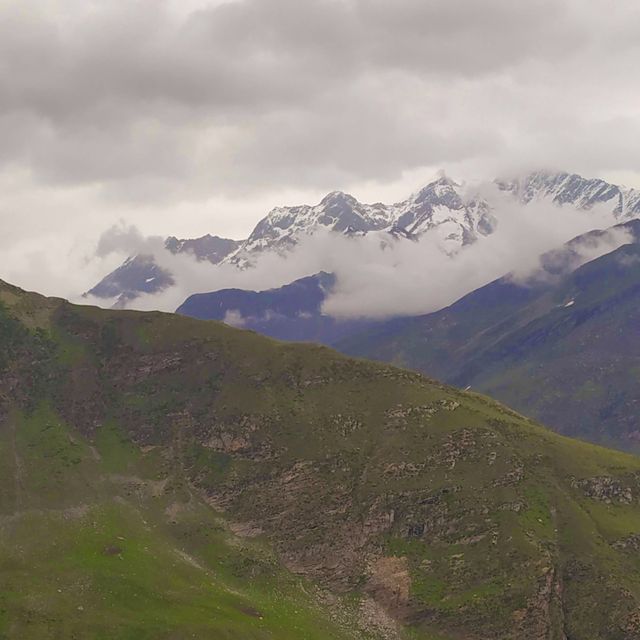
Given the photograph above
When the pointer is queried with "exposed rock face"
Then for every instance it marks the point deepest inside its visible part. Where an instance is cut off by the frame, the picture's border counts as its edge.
(606, 489)
(213, 249)
(543, 618)
(632, 543)
(389, 582)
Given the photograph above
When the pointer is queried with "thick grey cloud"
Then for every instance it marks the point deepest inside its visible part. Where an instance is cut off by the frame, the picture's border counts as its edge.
(236, 95)
(197, 116)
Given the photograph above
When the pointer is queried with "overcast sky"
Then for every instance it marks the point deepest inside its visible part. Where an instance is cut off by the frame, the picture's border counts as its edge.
(198, 116)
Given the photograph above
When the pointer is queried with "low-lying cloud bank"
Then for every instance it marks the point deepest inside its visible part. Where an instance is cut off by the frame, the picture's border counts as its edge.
(378, 277)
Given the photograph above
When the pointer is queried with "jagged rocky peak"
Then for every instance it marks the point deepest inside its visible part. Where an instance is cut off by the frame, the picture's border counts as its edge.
(443, 189)
(211, 248)
(447, 207)
(141, 274)
(337, 211)
(560, 186)
(419, 208)
(137, 275)
(342, 212)
(340, 199)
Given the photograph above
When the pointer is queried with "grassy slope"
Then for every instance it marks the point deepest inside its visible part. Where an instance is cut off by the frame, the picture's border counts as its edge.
(101, 540)
(97, 541)
(457, 516)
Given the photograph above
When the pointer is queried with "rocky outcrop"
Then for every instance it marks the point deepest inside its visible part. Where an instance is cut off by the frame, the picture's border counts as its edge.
(606, 489)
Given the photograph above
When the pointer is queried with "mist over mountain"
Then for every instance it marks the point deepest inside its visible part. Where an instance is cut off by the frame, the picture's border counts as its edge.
(140, 274)
(411, 257)
(561, 346)
(292, 312)
(556, 342)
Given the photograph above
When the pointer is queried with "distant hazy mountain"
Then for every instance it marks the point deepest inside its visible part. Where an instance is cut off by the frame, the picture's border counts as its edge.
(291, 312)
(211, 248)
(455, 213)
(140, 273)
(563, 349)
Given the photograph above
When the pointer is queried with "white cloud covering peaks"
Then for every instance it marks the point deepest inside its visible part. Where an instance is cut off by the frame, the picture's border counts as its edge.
(379, 276)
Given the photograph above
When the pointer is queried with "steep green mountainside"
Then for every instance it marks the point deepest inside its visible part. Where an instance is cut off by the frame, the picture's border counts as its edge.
(564, 351)
(101, 538)
(164, 477)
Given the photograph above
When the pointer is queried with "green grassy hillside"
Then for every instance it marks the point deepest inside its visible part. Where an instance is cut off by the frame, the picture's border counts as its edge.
(169, 478)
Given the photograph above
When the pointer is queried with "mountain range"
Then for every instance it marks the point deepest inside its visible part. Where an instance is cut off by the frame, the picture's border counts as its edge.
(556, 347)
(442, 205)
(164, 477)
(457, 214)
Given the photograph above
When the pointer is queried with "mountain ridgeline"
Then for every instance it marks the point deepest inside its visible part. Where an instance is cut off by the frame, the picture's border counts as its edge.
(457, 213)
(164, 477)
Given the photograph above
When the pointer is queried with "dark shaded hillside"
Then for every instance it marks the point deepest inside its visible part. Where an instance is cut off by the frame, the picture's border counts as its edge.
(406, 500)
(292, 312)
(564, 351)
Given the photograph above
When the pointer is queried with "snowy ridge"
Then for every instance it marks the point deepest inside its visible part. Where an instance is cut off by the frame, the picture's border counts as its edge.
(444, 205)
(455, 214)
(440, 206)
(582, 193)
(338, 211)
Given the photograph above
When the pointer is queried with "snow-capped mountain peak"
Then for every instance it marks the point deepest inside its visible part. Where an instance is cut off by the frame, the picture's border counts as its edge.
(445, 206)
(439, 205)
(569, 188)
(283, 227)
(338, 198)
